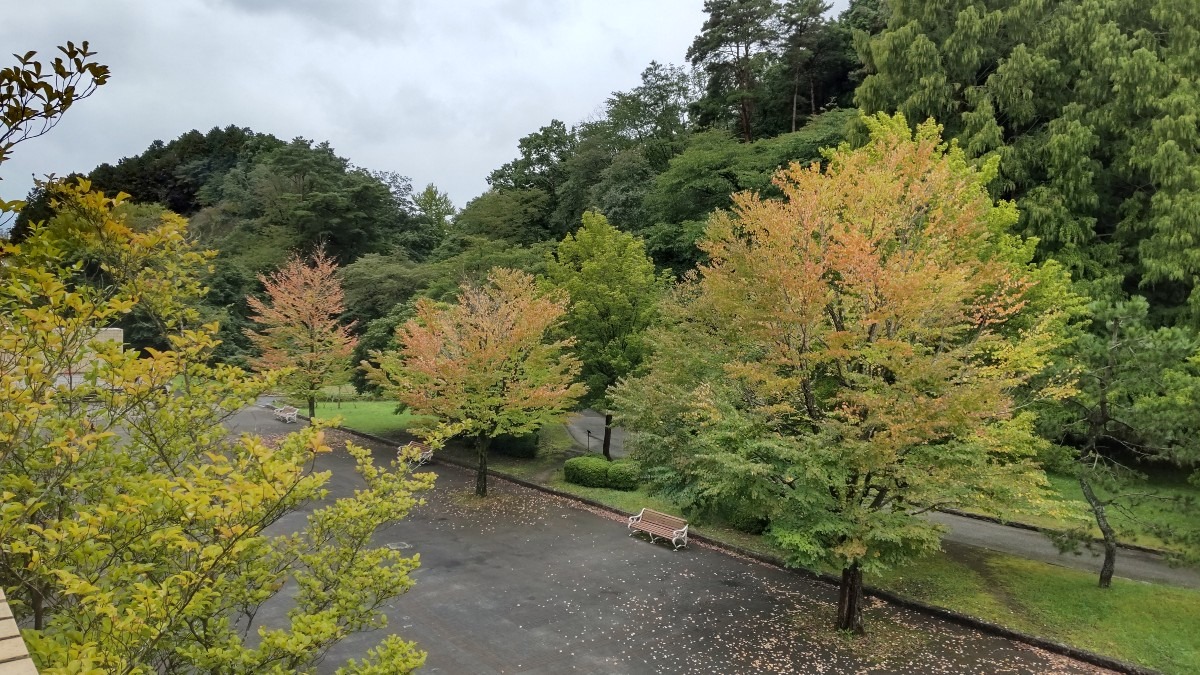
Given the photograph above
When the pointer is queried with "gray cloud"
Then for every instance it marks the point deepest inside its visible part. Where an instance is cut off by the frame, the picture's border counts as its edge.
(439, 91)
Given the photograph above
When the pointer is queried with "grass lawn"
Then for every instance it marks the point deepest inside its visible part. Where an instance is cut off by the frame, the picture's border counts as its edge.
(372, 417)
(1149, 624)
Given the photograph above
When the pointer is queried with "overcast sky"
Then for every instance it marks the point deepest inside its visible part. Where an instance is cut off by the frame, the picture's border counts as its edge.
(438, 91)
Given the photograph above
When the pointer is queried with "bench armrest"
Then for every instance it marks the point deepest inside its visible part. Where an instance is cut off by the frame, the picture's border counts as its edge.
(682, 532)
(636, 518)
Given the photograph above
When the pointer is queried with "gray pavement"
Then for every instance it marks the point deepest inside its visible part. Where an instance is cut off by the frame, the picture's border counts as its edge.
(1131, 564)
(524, 582)
(587, 430)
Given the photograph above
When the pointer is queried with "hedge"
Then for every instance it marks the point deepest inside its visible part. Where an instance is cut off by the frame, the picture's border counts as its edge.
(595, 471)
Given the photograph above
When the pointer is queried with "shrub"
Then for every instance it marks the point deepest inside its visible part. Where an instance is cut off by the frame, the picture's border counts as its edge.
(589, 471)
(745, 519)
(516, 446)
(624, 474)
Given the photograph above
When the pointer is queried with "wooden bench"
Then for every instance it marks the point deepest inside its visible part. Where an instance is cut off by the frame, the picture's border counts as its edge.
(659, 525)
(418, 455)
(286, 414)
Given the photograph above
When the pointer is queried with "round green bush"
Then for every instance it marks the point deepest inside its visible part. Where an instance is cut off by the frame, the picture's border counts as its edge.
(623, 474)
(589, 471)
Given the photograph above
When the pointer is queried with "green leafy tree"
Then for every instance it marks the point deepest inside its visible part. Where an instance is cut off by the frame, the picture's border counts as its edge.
(482, 367)
(518, 216)
(614, 291)
(712, 167)
(539, 165)
(1134, 407)
(1091, 106)
(622, 189)
(433, 213)
(173, 174)
(848, 359)
(133, 529)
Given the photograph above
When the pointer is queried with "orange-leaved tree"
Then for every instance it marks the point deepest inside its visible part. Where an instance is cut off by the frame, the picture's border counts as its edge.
(850, 358)
(299, 327)
(483, 367)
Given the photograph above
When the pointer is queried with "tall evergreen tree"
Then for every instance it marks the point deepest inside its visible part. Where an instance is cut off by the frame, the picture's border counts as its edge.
(734, 48)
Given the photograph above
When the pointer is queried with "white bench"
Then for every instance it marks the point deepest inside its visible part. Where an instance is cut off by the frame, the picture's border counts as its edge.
(286, 414)
(415, 454)
(661, 525)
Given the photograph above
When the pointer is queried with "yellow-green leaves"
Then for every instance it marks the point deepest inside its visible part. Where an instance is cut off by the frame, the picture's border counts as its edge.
(133, 528)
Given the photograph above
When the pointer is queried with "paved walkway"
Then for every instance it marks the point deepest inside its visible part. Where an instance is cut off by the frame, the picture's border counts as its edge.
(1131, 564)
(524, 582)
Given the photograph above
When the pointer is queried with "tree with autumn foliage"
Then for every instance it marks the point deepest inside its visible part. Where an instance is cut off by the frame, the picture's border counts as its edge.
(300, 329)
(483, 367)
(848, 358)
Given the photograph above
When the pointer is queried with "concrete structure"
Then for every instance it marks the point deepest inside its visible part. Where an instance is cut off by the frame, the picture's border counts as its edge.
(14, 658)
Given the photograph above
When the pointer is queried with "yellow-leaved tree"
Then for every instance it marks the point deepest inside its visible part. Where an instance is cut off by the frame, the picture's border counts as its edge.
(133, 528)
(850, 356)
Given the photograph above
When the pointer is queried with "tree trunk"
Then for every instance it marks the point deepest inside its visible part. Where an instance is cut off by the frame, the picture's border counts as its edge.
(607, 435)
(795, 99)
(850, 598)
(1110, 537)
(482, 443)
(312, 407)
(38, 602)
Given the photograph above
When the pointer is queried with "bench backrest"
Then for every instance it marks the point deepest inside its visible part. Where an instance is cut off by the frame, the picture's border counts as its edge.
(663, 519)
(288, 410)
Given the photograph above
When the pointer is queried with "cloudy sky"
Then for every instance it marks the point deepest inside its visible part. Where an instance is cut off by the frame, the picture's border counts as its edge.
(438, 91)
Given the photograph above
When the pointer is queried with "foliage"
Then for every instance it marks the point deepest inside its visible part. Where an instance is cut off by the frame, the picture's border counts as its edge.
(434, 211)
(518, 216)
(1134, 408)
(299, 329)
(734, 46)
(1092, 106)
(597, 472)
(132, 527)
(613, 291)
(375, 283)
(848, 358)
(174, 173)
(588, 470)
(624, 474)
(481, 367)
(35, 95)
(712, 167)
(525, 447)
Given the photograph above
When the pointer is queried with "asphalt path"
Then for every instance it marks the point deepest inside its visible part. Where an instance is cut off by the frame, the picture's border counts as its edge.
(1131, 564)
(525, 582)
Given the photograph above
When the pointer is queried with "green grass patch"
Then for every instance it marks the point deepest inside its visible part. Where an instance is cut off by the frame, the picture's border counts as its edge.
(626, 501)
(1149, 624)
(371, 417)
